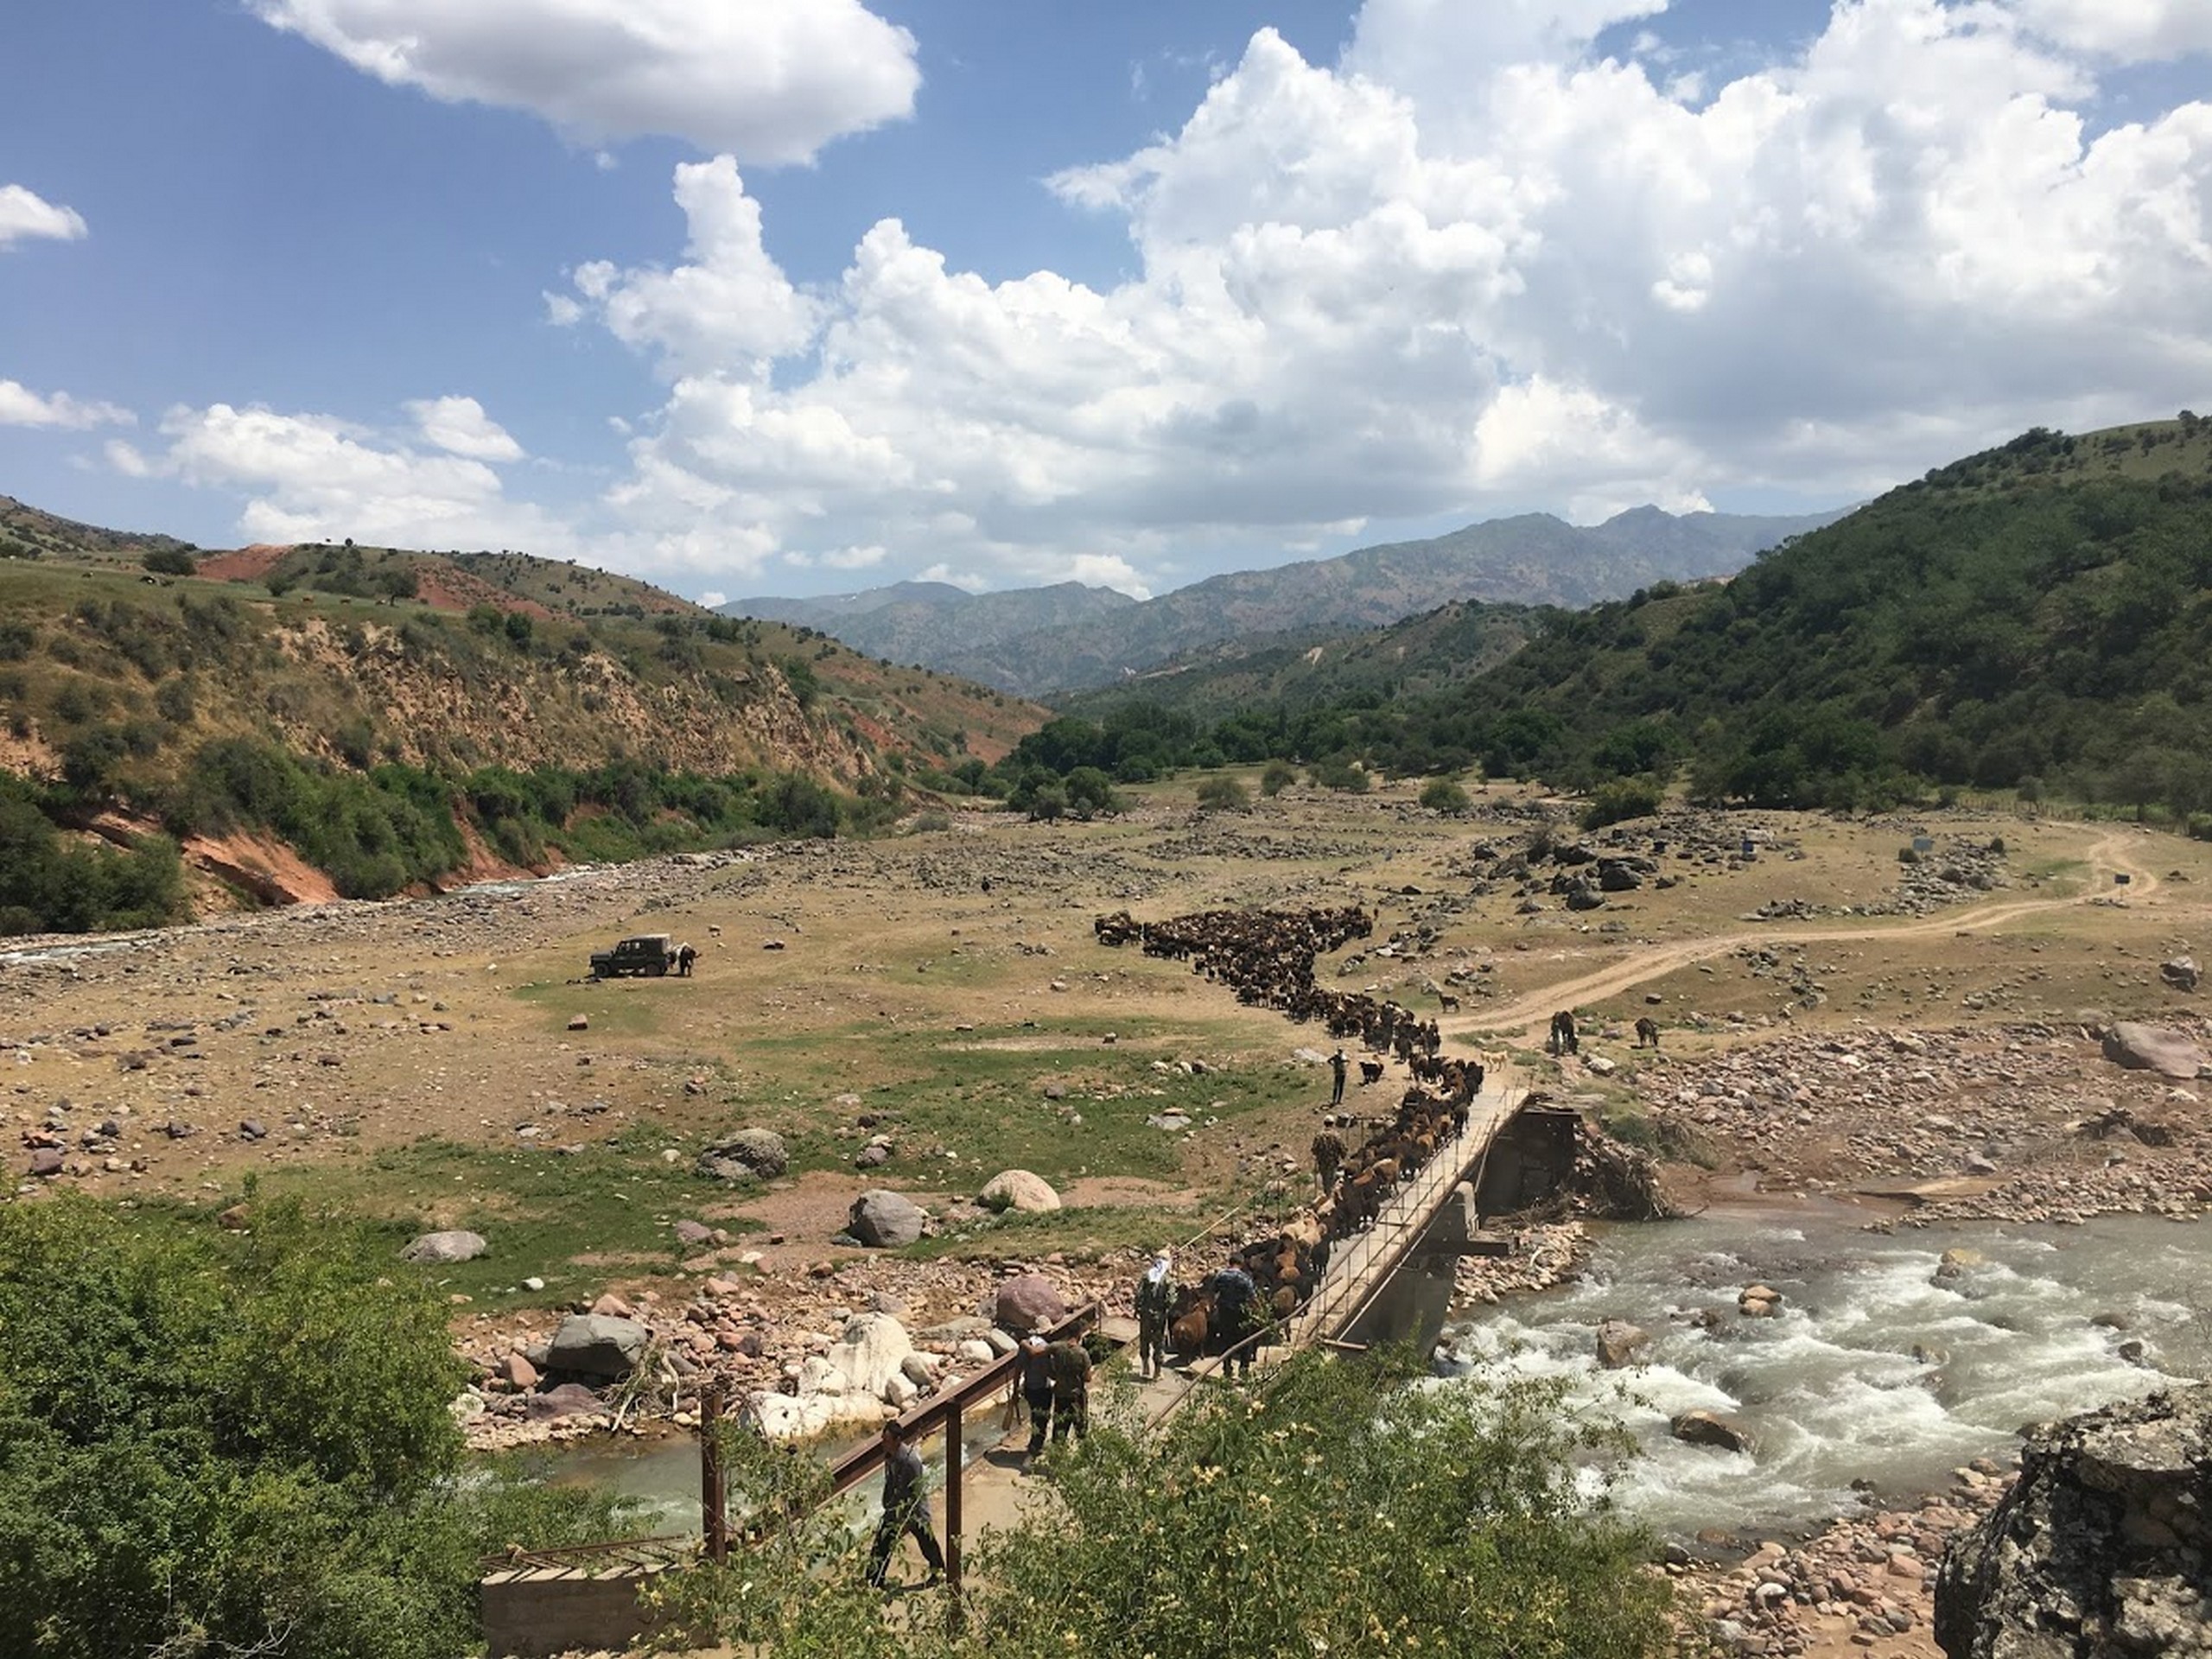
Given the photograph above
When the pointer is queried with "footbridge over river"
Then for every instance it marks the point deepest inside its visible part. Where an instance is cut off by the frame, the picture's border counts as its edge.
(1389, 1281)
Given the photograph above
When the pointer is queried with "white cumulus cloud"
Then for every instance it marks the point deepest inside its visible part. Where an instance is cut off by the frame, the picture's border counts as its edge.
(1471, 267)
(24, 214)
(459, 426)
(309, 477)
(2128, 30)
(21, 406)
(766, 81)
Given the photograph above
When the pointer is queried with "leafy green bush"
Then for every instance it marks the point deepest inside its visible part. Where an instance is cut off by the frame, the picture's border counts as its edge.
(168, 561)
(1442, 794)
(1278, 776)
(232, 1443)
(1337, 1508)
(1625, 798)
(1223, 794)
(49, 885)
(1340, 774)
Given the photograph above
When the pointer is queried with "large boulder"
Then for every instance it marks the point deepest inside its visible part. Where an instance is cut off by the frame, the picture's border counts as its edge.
(748, 1154)
(446, 1246)
(1026, 1302)
(1019, 1190)
(884, 1220)
(597, 1346)
(871, 1351)
(1713, 1428)
(2101, 1548)
(2152, 1048)
(801, 1416)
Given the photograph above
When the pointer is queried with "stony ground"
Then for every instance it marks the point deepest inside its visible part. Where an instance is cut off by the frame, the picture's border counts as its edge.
(1894, 1011)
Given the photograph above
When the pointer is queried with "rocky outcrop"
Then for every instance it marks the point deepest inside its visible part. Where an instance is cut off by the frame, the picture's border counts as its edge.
(1620, 1344)
(2100, 1548)
(748, 1154)
(2153, 1048)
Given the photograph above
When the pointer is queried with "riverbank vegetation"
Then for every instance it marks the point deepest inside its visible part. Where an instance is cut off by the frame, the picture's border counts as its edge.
(1336, 1506)
(219, 1442)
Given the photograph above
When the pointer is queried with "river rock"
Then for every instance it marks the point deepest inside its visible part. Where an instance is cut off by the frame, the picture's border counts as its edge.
(883, 1220)
(439, 1249)
(746, 1154)
(2099, 1549)
(1712, 1429)
(570, 1399)
(1619, 1344)
(2153, 1048)
(1759, 1302)
(1957, 1263)
(597, 1346)
(1018, 1190)
(1026, 1302)
(871, 1351)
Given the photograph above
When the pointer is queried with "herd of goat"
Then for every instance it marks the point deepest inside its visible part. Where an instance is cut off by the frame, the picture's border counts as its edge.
(1266, 959)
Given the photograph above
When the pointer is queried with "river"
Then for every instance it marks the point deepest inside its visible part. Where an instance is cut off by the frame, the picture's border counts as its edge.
(1832, 1390)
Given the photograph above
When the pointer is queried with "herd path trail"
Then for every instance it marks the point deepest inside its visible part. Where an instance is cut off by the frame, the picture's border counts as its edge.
(1525, 1020)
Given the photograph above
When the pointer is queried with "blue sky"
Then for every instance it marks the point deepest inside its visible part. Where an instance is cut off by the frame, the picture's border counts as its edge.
(800, 296)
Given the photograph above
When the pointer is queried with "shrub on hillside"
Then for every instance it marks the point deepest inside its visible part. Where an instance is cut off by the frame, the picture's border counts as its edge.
(1278, 776)
(1442, 794)
(1223, 794)
(1625, 798)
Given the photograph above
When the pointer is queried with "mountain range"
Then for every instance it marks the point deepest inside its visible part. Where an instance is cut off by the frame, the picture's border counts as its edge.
(1037, 641)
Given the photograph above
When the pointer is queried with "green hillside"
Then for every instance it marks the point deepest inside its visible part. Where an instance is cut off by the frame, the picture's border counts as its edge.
(394, 718)
(2037, 616)
(1408, 661)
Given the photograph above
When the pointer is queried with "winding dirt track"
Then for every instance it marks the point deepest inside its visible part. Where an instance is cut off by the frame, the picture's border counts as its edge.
(1524, 1020)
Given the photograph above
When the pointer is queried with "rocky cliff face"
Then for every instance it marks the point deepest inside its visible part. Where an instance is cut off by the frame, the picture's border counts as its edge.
(2101, 1548)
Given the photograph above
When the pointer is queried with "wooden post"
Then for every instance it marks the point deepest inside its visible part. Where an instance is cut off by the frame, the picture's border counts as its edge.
(952, 1516)
(714, 1496)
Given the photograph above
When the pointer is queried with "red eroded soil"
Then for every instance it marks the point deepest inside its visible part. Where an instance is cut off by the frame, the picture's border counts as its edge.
(245, 565)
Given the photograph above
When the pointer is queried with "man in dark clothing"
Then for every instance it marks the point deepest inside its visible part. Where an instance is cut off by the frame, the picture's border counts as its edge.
(686, 956)
(1337, 1068)
(906, 1507)
(1070, 1368)
(1033, 1379)
(1234, 1295)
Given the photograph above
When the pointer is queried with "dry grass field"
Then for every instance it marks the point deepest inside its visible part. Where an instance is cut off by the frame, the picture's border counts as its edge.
(417, 1061)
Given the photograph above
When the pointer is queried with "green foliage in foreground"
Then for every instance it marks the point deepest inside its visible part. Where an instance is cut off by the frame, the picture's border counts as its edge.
(1341, 1507)
(220, 1444)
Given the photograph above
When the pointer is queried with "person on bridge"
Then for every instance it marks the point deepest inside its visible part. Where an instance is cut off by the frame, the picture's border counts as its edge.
(906, 1507)
(1236, 1332)
(1032, 1378)
(1328, 1151)
(1070, 1364)
(1155, 1302)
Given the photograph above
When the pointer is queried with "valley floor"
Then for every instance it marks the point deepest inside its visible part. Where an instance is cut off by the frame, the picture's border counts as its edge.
(1907, 1034)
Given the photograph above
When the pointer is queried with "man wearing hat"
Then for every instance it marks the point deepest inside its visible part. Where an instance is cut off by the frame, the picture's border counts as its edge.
(1033, 1379)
